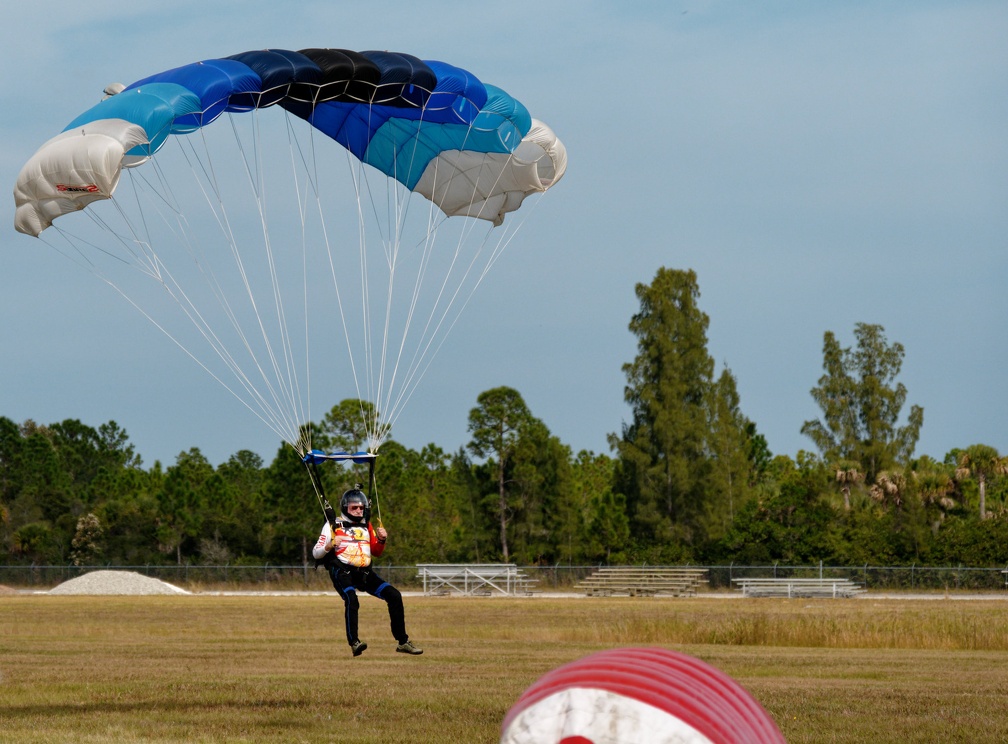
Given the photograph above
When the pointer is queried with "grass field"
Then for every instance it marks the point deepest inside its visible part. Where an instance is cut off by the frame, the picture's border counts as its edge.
(276, 668)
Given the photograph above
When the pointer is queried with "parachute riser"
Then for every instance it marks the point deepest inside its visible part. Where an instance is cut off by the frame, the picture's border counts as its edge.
(316, 478)
(373, 491)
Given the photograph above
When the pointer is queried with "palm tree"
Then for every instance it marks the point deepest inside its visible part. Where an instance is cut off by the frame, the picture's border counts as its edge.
(982, 462)
(889, 486)
(848, 473)
(934, 486)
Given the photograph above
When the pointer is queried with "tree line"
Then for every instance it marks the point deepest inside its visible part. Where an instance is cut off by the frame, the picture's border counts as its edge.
(688, 478)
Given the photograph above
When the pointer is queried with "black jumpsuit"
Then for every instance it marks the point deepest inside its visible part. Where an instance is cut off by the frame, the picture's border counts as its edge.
(347, 579)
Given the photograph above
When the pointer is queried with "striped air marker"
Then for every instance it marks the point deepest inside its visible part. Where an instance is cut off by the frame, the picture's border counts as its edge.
(637, 695)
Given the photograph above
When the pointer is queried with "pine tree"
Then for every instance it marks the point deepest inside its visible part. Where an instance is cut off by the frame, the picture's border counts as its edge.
(861, 405)
(663, 464)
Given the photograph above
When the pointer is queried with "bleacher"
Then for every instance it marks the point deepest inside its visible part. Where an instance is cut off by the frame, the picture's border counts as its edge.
(643, 581)
(815, 588)
(475, 579)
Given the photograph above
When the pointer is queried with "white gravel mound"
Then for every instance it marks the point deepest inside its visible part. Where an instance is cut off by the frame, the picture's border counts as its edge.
(115, 582)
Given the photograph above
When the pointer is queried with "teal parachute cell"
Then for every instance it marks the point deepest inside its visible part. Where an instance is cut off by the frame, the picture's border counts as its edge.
(154, 107)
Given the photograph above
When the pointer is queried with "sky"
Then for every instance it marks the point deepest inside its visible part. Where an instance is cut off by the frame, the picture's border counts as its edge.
(817, 165)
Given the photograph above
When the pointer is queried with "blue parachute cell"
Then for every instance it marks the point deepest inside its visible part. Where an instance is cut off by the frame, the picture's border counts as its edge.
(218, 83)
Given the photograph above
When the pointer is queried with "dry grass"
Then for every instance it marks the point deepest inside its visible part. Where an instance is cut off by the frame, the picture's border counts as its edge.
(276, 669)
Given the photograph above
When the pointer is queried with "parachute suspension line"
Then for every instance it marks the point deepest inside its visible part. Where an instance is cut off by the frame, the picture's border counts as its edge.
(384, 389)
(155, 269)
(74, 243)
(174, 290)
(394, 398)
(427, 336)
(425, 360)
(391, 239)
(74, 254)
(423, 357)
(389, 398)
(311, 175)
(390, 402)
(143, 258)
(373, 490)
(356, 169)
(391, 236)
(363, 192)
(316, 479)
(417, 366)
(288, 377)
(359, 175)
(189, 308)
(426, 357)
(313, 182)
(392, 260)
(285, 423)
(151, 266)
(335, 279)
(294, 144)
(397, 209)
(281, 313)
(145, 255)
(380, 380)
(278, 397)
(256, 181)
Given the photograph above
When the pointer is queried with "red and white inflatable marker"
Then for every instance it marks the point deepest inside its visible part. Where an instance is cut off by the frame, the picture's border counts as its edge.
(638, 696)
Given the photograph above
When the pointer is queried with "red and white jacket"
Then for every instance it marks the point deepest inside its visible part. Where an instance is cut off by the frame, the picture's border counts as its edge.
(355, 544)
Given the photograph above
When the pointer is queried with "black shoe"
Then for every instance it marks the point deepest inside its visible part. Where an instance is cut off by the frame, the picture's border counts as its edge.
(358, 647)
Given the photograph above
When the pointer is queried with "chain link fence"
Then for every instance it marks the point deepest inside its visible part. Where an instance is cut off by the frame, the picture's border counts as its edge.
(557, 578)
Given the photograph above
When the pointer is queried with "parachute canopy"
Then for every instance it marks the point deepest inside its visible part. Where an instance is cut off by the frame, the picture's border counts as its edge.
(467, 146)
(222, 182)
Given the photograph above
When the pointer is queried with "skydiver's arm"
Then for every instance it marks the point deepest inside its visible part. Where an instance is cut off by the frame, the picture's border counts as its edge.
(378, 538)
(324, 543)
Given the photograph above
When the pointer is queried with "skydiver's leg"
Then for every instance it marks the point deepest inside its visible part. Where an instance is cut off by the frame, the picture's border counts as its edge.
(380, 588)
(350, 608)
(343, 581)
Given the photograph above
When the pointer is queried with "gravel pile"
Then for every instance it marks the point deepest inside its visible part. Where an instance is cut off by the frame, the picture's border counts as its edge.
(115, 582)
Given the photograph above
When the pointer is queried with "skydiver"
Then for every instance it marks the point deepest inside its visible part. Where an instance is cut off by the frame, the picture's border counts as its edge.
(347, 557)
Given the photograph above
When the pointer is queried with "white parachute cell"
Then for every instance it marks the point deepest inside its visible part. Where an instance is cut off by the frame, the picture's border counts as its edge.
(489, 185)
(71, 171)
